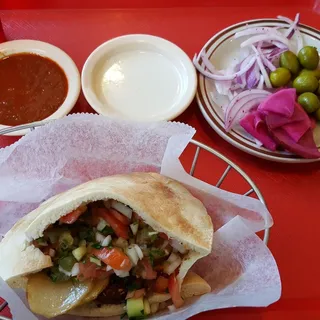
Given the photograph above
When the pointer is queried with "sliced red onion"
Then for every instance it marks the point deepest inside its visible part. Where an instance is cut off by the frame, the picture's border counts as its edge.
(258, 30)
(262, 69)
(253, 76)
(242, 108)
(264, 37)
(207, 63)
(275, 53)
(295, 28)
(230, 95)
(248, 94)
(220, 77)
(266, 62)
(290, 32)
(261, 82)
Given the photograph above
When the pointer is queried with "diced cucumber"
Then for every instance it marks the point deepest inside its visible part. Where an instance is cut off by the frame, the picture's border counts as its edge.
(67, 263)
(101, 225)
(146, 305)
(96, 261)
(79, 253)
(135, 307)
(134, 227)
(65, 240)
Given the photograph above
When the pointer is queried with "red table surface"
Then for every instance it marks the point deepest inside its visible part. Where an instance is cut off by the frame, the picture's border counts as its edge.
(291, 191)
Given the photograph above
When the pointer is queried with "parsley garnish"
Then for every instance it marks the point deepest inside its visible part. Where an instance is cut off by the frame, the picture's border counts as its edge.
(96, 245)
(107, 231)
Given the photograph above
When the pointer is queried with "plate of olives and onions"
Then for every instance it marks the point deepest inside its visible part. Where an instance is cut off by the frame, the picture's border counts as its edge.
(296, 68)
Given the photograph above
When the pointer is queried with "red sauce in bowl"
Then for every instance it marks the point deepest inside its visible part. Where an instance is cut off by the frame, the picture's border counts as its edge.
(32, 88)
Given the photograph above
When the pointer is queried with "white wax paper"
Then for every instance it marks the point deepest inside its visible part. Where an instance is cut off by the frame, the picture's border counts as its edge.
(78, 148)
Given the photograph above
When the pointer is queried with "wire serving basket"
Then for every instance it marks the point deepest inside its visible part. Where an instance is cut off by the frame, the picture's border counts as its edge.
(200, 147)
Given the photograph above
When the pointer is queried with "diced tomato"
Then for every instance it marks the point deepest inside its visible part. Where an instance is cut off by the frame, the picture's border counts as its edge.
(119, 216)
(120, 229)
(73, 216)
(161, 284)
(163, 236)
(174, 291)
(88, 270)
(139, 293)
(136, 294)
(148, 273)
(114, 257)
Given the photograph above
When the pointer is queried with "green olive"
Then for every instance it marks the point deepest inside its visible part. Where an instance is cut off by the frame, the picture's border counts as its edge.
(280, 77)
(317, 114)
(318, 91)
(315, 73)
(309, 57)
(305, 83)
(290, 61)
(309, 101)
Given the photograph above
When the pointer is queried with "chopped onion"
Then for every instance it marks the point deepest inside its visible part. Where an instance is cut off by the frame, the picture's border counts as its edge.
(221, 77)
(67, 273)
(75, 270)
(139, 251)
(121, 274)
(173, 257)
(52, 253)
(264, 37)
(101, 225)
(99, 237)
(125, 210)
(108, 268)
(153, 233)
(133, 255)
(172, 308)
(134, 228)
(169, 268)
(107, 240)
(178, 246)
(165, 243)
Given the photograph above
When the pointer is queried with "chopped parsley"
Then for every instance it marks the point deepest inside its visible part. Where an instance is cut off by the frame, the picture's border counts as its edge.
(96, 245)
(86, 234)
(107, 231)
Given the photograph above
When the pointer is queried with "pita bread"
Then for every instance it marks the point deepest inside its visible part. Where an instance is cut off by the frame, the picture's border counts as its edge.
(161, 202)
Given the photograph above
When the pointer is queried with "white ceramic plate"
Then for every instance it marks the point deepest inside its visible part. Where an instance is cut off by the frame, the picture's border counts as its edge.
(222, 48)
(61, 58)
(139, 77)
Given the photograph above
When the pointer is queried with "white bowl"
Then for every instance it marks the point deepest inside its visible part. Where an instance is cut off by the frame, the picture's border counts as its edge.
(61, 58)
(139, 77)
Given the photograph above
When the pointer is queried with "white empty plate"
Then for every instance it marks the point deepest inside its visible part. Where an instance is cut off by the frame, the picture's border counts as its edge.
(139, 77)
